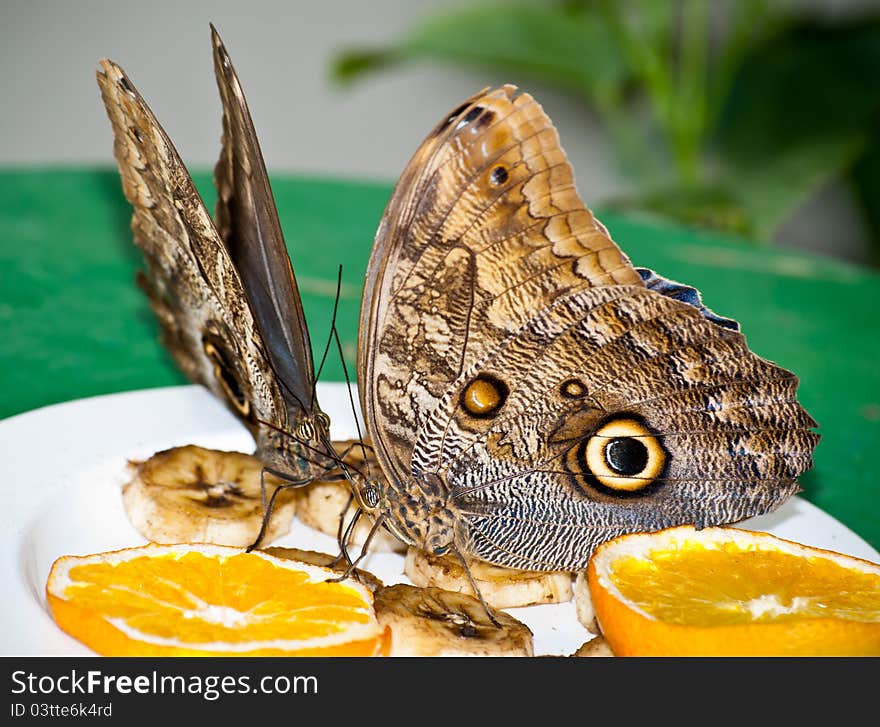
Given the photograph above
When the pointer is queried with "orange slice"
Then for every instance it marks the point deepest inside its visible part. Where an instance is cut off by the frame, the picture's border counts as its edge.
(192, 600)
(726, 591)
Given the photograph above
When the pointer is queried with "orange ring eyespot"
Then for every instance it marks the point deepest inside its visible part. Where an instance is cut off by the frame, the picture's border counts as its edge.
(483, 396)
(624, 455)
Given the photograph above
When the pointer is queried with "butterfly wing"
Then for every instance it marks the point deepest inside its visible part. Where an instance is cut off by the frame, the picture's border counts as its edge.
(522, 373)
(207, 320)
(484, 227)
(624, 410)
(248, 223)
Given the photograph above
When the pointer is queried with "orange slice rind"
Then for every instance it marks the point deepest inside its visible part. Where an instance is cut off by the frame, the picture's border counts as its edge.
(194, 599)
(727, 591)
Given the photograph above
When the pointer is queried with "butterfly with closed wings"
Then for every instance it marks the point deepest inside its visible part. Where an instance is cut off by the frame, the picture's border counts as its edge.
(223, 290)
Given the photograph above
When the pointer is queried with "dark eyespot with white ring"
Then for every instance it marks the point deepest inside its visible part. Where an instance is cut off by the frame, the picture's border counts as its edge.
(126, 85)
(624, 455)
(484, 396)
(455, 114)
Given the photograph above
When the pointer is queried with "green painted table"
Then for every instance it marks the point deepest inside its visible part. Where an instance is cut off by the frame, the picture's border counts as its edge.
(73, 324)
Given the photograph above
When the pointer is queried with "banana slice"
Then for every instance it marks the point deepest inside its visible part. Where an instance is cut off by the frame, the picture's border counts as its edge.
(321, 504)
(500, 587)
(583, 604)
(195, 495)
(596, 646)
(435, 622)
(326, 561)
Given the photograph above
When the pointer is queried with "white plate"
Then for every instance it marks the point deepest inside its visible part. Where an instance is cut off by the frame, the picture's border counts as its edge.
(63, 468)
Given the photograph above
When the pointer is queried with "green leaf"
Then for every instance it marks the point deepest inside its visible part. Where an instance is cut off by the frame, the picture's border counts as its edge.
(562, 45)
(814, 81)
(772, 189)
(350, 65)
(865, 179)
(752, 199)
(712, 206)
(799, 114)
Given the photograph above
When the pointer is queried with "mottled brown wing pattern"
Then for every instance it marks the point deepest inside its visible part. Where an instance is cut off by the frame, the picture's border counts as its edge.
(530, 395)
(520, 483)
(206, 321)
(484, 227)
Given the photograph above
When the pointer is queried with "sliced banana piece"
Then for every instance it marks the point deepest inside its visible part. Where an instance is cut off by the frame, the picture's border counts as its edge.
(596, 646)
(325, 560)
(191, 494)
(322, 503)
(500, 587)
(583, 603)
(436, 622)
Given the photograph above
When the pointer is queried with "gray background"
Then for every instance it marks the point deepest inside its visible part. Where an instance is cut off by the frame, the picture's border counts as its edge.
(52, 113)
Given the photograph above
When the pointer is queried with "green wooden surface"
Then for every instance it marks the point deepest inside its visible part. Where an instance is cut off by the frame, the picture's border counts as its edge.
(73, 324)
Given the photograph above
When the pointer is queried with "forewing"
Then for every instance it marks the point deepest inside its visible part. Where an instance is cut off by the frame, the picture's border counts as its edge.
(193, 287)
(484, 228)
(248, 223)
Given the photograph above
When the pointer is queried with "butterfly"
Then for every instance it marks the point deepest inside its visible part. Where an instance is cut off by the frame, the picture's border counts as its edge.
(223, 290)
(529, 392)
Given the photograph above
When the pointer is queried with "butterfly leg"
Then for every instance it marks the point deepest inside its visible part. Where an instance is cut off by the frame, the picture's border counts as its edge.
(343, 532)
(473, 583)
(364, 549)
(270, 505)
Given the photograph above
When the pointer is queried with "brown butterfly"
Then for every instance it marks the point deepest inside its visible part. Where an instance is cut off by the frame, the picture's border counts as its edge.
(224, 291)
(529, 392)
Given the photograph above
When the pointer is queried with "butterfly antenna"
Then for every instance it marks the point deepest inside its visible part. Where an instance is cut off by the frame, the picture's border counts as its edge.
(330, 334)
(330, 452)
(347, 536)
(281, 380)
(352, 467)
(341, 534)
(334, 334)
(354, 410)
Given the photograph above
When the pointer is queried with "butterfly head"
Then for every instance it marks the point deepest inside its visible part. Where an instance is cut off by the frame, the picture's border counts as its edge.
(416, 514)
(314, 428)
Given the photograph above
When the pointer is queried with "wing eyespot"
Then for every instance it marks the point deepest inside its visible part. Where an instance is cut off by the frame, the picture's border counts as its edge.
(498, 176)
(126, 86)
(469, 116)
(455, 114)
(624, 455)
(484, 396)
(225, 378)
(573, 389)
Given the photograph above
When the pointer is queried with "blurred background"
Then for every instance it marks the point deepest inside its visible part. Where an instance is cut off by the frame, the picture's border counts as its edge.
(758, 118)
